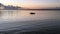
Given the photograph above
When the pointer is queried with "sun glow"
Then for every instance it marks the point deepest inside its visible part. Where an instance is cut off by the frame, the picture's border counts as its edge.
(32, 3)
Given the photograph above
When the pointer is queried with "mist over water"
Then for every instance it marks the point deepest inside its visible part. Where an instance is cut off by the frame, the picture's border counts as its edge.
(24, 15)
(19, 21)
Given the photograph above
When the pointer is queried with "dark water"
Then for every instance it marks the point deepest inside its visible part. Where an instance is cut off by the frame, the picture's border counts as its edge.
(22, 22)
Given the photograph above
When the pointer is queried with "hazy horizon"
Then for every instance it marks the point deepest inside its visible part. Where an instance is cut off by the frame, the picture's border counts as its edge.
(33, 4)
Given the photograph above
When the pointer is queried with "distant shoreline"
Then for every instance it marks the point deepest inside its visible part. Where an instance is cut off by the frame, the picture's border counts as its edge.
(31, 9)
(40, 9)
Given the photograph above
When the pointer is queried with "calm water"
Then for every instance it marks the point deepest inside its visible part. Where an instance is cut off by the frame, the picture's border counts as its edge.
(19, 21)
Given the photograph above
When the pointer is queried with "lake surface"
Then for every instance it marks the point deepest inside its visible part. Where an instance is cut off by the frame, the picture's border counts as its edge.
(21, 21)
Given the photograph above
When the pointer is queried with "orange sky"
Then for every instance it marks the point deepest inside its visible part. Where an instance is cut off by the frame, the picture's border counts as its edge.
(39, 5)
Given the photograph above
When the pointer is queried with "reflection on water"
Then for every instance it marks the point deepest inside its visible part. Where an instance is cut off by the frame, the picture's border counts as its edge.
(24, 15)
(19, 21)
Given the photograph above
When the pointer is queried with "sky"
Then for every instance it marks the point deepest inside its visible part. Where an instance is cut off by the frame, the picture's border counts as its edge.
(32, 3)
